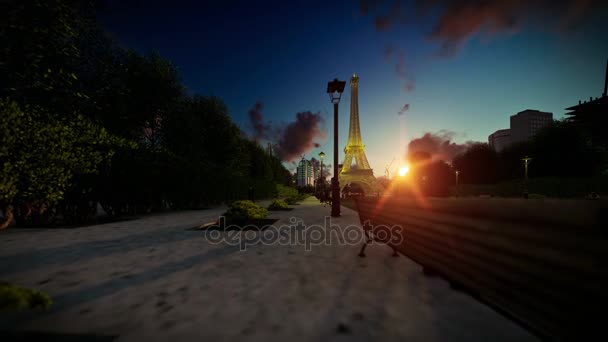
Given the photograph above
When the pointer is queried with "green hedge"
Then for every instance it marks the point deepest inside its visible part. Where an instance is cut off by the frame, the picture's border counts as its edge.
(296, 198)
(286, 191)
(245, 210)
(278, 204)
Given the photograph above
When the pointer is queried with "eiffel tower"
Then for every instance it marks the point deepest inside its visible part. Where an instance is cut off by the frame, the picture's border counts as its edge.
(356, 169)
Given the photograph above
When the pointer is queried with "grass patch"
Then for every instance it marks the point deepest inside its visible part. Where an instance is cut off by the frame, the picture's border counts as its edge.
(15, 298)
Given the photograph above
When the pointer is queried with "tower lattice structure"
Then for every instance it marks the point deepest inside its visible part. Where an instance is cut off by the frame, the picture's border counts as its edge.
(356, 169)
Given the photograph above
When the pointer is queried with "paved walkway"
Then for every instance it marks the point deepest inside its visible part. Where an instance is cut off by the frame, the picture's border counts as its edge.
(153, 279)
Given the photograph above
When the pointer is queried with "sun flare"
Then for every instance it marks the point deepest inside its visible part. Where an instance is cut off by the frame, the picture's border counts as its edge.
(404, 170)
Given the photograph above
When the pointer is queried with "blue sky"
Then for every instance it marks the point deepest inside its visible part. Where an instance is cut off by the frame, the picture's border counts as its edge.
(283, 54)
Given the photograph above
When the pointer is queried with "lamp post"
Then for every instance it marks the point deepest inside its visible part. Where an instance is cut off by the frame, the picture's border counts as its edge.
(335, 89)
(457, 173)
(526, 161)
(321, 156)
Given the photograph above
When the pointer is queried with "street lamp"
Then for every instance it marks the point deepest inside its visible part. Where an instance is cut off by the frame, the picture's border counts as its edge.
(321, 156)
(526, 161)
(335, 89)
(457, 173)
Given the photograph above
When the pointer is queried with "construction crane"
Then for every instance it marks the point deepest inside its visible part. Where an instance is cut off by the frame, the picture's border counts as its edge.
(388, 166)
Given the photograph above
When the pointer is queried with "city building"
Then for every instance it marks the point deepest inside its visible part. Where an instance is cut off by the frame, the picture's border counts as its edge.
(305, 175)
(592, 115)
(500, 139)
(523, 126)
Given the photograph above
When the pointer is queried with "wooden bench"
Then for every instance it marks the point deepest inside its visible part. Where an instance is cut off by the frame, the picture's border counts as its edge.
(372, 228)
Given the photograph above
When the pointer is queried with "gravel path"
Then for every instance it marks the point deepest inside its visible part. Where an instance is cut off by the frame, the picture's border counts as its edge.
(154, 279)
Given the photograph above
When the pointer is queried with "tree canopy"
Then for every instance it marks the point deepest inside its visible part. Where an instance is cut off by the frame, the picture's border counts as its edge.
(85, 121)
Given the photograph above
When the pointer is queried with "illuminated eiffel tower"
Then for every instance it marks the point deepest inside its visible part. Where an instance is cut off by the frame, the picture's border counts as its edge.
(356, 169)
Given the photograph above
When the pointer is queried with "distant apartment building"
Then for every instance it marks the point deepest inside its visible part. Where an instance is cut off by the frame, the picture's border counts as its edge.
(305, 174)
(500, 139)
(523, 126)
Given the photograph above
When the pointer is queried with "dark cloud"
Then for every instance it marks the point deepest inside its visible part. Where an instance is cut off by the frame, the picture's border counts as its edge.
(458, 21)
(389, 18)
(289, 141)
(389, 50)
(439, 145)
(400, 66)
(383, 23)
(300, 136)
(367, 6)
(260, 128)
(401, 69)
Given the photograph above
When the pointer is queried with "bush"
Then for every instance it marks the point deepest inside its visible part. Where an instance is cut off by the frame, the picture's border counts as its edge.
(278, 205)
(296, 198)
(286, 191)
(245, 210)
(18, 298)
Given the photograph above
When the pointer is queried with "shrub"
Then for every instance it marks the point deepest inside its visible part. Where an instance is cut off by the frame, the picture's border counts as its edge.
(286, 191)
(278, 205)
(245, 210)
(18, 298)
(296, 198)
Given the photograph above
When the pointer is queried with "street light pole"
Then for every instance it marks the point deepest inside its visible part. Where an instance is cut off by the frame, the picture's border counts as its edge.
(335, 189)
(321, 156)
(457, 172)
(335, 89)
(526, 161)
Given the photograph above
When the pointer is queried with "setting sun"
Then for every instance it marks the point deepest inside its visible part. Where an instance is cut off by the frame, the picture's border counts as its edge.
(404, 170)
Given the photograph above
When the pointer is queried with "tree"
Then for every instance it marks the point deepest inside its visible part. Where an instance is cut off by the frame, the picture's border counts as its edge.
(40, 156)
(200, 129)
(565, 149)
(141, 92)
(42, 47)
(438, 176)
(479, 164)
(86, 121)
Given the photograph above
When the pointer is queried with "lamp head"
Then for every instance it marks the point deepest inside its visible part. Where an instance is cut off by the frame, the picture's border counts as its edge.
(335, 89)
